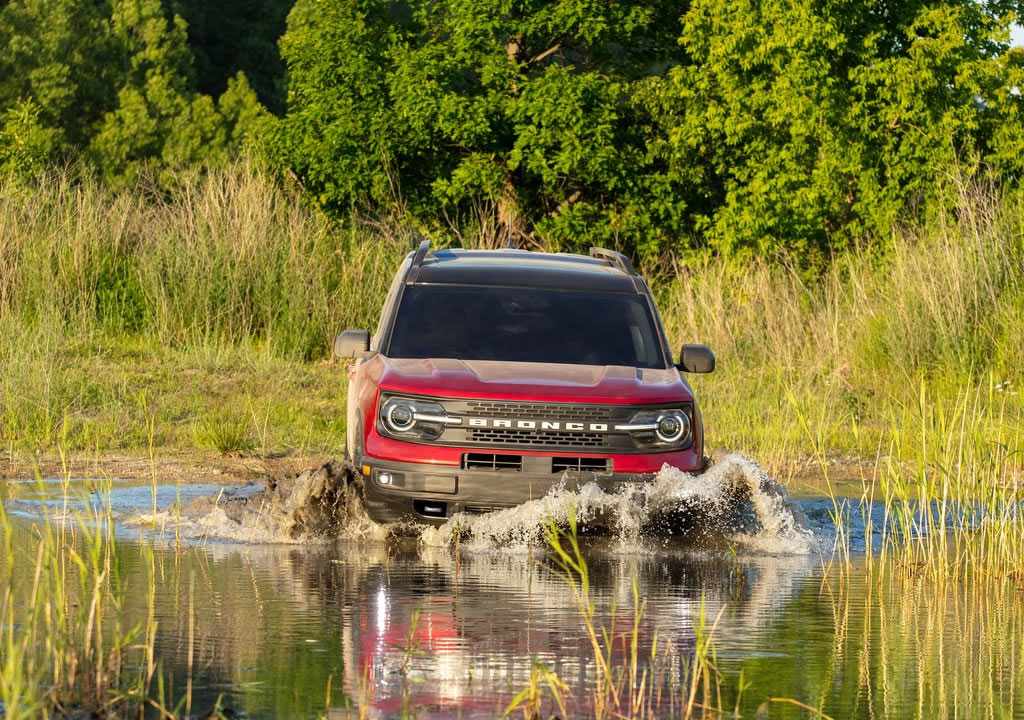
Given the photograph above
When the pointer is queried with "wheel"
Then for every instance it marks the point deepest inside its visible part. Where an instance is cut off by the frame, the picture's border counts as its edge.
(353, 460)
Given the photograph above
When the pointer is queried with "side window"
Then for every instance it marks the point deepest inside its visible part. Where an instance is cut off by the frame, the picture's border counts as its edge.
(389, 306)
(659, 327)
(643, 339)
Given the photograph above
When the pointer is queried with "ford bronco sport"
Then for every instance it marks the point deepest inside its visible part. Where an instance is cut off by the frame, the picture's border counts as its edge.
(495, 374)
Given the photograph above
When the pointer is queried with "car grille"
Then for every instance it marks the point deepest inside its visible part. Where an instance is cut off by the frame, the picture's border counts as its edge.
(548, 411)
(561, 440)
(500, 462)
(526, 437)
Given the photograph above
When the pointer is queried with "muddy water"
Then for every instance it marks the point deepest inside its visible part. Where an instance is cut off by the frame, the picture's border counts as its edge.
(291, 621)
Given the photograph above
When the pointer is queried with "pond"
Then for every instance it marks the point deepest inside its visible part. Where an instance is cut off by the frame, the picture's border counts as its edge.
(389, 625)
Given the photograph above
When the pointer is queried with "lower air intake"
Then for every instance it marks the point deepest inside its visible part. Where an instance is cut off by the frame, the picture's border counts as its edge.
(492, 461)
(578, 464)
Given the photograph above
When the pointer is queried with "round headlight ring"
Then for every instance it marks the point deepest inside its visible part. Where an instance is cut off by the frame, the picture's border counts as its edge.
(399, 415)
(672, 427)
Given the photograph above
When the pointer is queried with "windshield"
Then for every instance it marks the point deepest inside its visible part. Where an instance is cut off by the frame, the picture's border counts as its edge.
(525, 325)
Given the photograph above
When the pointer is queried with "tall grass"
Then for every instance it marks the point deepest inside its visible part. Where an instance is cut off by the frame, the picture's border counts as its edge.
(116, 307)
(221, 256)
(942, 303)
(227, 265)
(64, 638)
(953, 491)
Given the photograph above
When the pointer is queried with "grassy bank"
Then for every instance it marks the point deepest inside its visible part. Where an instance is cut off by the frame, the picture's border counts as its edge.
(202, 317)
(832, 364)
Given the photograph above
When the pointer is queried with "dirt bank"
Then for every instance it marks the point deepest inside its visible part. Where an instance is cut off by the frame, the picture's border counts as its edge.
(169, 466)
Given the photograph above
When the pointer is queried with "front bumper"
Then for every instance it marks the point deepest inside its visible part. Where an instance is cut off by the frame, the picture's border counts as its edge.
(428, 493)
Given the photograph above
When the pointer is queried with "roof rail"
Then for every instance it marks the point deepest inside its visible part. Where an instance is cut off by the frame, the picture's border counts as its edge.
(417, 260)
(613, 258)
(620, 261)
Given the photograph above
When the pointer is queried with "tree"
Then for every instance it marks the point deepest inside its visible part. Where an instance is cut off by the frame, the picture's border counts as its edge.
(231, 36)
(809, 125)
(515, 112)
(57, 54)
(26, 146)
(114, 80)
(158, 115)
(744, 126)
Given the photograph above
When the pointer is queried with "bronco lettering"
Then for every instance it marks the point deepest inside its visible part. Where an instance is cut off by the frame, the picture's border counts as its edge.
(549, 425)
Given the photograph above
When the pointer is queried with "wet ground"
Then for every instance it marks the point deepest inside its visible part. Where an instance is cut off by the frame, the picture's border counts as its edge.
(452, 622)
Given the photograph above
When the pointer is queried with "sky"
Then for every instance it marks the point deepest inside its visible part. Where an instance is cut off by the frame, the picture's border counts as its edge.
(1017, 35)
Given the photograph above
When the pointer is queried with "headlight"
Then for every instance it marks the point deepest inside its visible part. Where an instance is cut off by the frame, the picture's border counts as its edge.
(669, 429)
(399, 415)
(402, 417)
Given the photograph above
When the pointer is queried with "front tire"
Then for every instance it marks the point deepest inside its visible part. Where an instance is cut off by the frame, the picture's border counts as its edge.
(352, 464)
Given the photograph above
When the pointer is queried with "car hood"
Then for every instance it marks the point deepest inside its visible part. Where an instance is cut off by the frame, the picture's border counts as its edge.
(549, 382)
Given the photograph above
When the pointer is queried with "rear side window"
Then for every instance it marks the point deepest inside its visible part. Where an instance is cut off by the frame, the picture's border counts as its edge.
(525, 325)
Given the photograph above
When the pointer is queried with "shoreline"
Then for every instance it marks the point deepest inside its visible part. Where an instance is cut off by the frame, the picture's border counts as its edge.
(170, 465)
(167, 466)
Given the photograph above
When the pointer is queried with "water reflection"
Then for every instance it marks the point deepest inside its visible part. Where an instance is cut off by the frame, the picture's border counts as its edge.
(403, 630)
(398, 628)
(408, 627)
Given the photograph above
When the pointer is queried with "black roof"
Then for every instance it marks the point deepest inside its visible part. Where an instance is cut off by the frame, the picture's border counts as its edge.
(520, 268)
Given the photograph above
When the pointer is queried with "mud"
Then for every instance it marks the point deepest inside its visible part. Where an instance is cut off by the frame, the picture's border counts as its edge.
(317, 505)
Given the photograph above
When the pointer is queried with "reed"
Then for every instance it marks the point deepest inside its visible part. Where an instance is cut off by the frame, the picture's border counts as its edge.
(917, 645)
(63, 594)
(69, 638)
(953, 490)
(544, 685)
(634, 677)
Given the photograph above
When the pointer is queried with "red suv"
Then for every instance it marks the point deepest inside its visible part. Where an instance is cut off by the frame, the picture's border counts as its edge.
(497, 374)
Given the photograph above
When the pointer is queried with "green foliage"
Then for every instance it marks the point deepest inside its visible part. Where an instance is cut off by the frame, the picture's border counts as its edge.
(120, 298)
(115, 80)
(473, 110)
(157, 116)
(25, 144)
(58, 54)
(746, 127)
(1007, 147)
(813, 124)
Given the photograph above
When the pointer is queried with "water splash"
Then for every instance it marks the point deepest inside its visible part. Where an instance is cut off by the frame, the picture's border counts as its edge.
(317, 505)
(732, 503)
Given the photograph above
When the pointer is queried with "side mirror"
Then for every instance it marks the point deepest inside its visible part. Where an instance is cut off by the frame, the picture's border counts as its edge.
(352, 344)
(696, 359)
